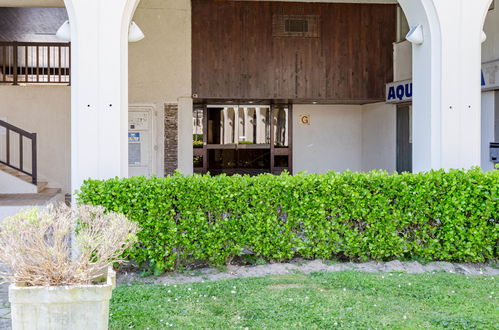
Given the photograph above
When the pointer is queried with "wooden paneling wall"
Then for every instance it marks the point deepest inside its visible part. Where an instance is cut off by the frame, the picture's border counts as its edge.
(235, 56)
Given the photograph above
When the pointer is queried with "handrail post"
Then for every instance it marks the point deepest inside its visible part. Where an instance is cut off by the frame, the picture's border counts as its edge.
(7, 147)
(16, 61)
(34, 160)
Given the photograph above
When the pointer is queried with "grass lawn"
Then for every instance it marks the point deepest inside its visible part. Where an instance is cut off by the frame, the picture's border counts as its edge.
(321, 300)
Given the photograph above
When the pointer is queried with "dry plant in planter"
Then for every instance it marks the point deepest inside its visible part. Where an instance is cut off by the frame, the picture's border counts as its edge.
(54, 287)
(35, 245)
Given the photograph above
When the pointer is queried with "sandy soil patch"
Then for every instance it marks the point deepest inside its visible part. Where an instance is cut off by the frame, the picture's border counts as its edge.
(307, 267)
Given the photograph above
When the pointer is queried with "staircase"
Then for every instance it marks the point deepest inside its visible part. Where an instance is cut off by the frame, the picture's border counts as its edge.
(19, 184)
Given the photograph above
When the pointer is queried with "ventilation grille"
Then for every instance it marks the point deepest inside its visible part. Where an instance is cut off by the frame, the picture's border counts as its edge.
(296, 26)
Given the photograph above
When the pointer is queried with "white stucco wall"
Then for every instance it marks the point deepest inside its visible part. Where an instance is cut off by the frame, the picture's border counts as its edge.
(490, 48)
(379, 137)
(344, 137)
(402, 61)
(332, 141)
(160, 70)
(45, 110)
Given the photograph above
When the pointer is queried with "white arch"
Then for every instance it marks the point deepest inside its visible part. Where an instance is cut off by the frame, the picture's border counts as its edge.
(446, 70)
(99, 89)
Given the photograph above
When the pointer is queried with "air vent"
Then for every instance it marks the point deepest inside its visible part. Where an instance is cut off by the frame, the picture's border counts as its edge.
(296, 26)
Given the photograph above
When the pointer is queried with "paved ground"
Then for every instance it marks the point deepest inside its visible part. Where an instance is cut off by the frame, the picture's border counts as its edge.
(4, 308)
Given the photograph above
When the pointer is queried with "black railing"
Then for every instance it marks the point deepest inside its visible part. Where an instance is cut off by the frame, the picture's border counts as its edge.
(18, 150)
(35, 63)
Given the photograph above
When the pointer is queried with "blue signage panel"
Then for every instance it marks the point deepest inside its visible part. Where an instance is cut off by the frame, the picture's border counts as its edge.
(133, 137)
(399, 92)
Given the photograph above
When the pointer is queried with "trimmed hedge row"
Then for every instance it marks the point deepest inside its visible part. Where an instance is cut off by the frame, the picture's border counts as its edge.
(447, 216)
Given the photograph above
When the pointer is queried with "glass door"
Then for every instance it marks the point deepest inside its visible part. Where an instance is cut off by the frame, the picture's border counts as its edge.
(281, 139)
(241, 139)
(199, 138)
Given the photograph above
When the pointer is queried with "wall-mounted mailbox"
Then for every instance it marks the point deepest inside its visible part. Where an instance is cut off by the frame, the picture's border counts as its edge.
(494, 152)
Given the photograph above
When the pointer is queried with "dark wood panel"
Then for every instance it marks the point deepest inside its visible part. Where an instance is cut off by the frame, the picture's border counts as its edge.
(235, 55)
(257, 48)
(217, 62)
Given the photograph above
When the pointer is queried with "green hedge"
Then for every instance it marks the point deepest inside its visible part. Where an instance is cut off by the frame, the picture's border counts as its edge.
(447, 216)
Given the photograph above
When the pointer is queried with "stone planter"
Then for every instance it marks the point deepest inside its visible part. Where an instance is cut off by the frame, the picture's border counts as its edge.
(78, 307)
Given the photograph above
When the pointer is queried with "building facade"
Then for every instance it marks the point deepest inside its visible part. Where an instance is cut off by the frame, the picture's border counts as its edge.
(247, 87)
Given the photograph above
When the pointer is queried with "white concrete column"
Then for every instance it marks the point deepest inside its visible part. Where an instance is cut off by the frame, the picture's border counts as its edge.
(99, 92)
(225, 127)
(236, 125)
(246, 123)
(185, 148)
(250, 127)
(446, 75)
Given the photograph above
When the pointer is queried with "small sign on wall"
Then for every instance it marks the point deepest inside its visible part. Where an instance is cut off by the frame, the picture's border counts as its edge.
(304, 119)
(133, 137)
(490, 75)
(399, 92)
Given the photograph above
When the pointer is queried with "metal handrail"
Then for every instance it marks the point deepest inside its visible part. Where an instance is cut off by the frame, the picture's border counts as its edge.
(10, 162)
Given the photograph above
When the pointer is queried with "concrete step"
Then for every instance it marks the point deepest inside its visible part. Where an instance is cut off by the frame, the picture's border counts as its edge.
(42, 198)
(40, 186)
(11, 204)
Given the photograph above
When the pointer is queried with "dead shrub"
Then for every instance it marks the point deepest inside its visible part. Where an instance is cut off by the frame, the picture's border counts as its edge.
(36, 245)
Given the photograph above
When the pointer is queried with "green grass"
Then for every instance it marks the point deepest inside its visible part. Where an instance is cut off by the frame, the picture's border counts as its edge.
(346, 300)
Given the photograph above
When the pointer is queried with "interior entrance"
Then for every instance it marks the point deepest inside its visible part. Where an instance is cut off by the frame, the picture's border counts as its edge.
(242, 139)
(404, 138)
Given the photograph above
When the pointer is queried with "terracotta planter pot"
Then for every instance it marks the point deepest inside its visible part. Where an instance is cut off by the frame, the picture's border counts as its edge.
(68, 307)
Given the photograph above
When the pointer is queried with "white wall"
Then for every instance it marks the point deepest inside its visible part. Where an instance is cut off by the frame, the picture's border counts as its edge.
(402, 61)
(379, 137)
(332, 141)
(488, 114)
(45, 110)
(160, 70)
(490, 52)
(344, 137)
(490, 48)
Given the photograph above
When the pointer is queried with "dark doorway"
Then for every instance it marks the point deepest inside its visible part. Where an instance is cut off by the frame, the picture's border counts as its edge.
(242, 139)
(404, 138)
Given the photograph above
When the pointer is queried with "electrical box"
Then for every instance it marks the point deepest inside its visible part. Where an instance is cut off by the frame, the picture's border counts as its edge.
(494, 152)
(140, 142)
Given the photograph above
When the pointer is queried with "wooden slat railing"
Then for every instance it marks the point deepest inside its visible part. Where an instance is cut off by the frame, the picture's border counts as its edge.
(12, 150)
(35, 63)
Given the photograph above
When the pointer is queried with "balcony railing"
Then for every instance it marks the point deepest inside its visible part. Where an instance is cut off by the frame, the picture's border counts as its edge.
(35, 63)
